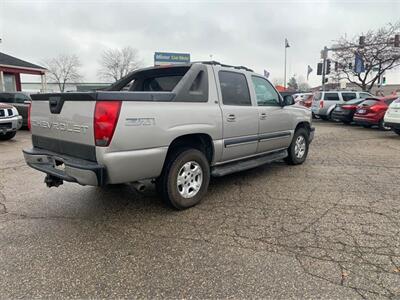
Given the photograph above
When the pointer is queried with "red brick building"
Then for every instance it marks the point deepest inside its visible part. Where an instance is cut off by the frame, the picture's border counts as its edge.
(11, 69)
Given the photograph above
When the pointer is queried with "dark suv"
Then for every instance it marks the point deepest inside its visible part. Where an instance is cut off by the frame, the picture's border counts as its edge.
(20, 101)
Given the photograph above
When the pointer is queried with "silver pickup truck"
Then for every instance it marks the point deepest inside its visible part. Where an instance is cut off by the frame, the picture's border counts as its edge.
(178, 125)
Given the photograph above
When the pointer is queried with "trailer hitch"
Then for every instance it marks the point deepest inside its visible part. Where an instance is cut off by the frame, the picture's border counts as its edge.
(52, 181)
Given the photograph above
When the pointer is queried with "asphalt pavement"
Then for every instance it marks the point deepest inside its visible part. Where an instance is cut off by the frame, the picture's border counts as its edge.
(329, 228)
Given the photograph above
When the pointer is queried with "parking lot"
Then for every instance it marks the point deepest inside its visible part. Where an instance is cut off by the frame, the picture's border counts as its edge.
(329, 228)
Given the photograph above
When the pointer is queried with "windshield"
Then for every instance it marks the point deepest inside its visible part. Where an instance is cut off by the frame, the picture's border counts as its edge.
(7, 97)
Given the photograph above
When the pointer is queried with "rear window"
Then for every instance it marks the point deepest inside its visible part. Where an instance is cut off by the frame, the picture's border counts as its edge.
(348, 96)
(369, 102)
(7, 98)
(389, 101)
(161, 84)
(355, 101)
(331, 96)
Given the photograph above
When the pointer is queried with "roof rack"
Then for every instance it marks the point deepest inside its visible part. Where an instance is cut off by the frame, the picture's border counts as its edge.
(213, 62)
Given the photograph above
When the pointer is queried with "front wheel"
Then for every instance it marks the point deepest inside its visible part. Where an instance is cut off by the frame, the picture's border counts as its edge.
(185, 178)
(298, 149)
(382, 125)
(7, 136)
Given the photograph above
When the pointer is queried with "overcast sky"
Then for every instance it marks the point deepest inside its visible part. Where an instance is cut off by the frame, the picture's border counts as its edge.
(249, 33)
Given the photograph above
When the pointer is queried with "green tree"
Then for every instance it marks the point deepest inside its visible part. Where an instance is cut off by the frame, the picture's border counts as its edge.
(292, 83)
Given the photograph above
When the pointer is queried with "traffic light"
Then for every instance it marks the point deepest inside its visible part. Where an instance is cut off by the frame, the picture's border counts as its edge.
(319, 69)
(383, 80)
(350, 66)
(397, 40)
(361, 41)
(336, 66)
(328, 66)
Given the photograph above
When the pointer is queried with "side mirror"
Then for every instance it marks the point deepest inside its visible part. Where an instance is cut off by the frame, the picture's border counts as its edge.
(288, 100)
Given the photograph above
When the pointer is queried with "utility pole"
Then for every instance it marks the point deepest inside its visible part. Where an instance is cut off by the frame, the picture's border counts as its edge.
(324, 54)
(284, 76)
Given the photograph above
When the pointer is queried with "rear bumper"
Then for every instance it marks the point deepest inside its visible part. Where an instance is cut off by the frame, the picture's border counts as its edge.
(65, 167)
(10, 124)
(365, 121)
(343, 117)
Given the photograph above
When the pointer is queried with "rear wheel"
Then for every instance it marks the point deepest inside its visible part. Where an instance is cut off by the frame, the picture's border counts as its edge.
(185, 178)
(298, 149)
(7, 136)
(325, 118)
(367, 126)
(382, 125)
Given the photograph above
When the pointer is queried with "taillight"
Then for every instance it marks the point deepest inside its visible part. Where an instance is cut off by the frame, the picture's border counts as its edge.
(106, 115)
(321, 103)
(29, 115)
(376, 108)
(349, 107)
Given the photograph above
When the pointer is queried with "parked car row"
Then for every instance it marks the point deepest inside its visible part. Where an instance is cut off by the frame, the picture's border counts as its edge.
(14, 111)
(361, 108)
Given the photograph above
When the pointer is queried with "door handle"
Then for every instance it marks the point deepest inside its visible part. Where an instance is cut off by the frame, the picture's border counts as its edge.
(231, 118)
(263, 116)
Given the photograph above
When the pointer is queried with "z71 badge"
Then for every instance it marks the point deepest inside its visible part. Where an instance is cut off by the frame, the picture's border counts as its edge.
(140, 122)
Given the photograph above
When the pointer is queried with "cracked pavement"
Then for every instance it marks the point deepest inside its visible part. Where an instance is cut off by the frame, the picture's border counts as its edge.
(329, 228)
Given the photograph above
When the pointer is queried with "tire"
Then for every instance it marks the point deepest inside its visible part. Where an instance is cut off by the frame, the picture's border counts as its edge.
(367, 126)
(7, 136)
(396, 130)
(181, 165)
(382, 126)
(325, 118)
(346, 122)
(294, 158)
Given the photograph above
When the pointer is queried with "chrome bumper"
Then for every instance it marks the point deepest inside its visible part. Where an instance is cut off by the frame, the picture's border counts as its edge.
(13, 124)
(65, 168)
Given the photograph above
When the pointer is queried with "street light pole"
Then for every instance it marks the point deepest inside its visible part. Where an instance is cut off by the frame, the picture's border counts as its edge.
(284, 76)
(324, 57)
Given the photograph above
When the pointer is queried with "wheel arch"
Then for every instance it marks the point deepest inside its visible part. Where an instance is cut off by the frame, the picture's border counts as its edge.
(200, 141)
(304, 124)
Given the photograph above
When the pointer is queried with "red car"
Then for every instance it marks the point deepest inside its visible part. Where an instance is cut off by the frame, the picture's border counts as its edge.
(371, 112)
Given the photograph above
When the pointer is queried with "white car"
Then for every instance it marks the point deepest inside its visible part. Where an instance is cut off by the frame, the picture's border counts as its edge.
(392, 116)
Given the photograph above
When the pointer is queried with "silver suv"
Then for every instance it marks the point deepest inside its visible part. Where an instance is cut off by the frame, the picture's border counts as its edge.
(323, 103)
(178, 125)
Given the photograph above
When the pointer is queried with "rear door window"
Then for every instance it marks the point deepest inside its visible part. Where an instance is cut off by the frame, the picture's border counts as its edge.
(234, 89)
(348, 96)
(331, 96)
(365, 95)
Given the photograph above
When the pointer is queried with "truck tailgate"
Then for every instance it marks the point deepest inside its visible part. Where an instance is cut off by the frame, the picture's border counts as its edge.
(63, 123)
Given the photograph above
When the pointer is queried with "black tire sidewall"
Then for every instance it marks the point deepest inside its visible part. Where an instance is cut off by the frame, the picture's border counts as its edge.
(293, 159)
(7, 136)
(175, 199)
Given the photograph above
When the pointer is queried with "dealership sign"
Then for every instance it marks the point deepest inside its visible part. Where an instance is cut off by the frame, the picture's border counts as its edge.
(166, 58)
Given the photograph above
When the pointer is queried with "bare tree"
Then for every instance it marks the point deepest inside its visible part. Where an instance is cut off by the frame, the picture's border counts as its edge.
(378, 54)
(63, 69)
(117, 63)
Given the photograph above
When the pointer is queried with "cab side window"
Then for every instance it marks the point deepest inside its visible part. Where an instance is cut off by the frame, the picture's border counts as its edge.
(234, 89)
(331, 97)
(265, 93)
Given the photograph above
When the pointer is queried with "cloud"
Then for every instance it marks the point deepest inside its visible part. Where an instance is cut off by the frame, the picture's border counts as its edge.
(247, 33)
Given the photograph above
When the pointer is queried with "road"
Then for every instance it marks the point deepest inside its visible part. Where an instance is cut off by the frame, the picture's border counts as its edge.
(329, 228)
